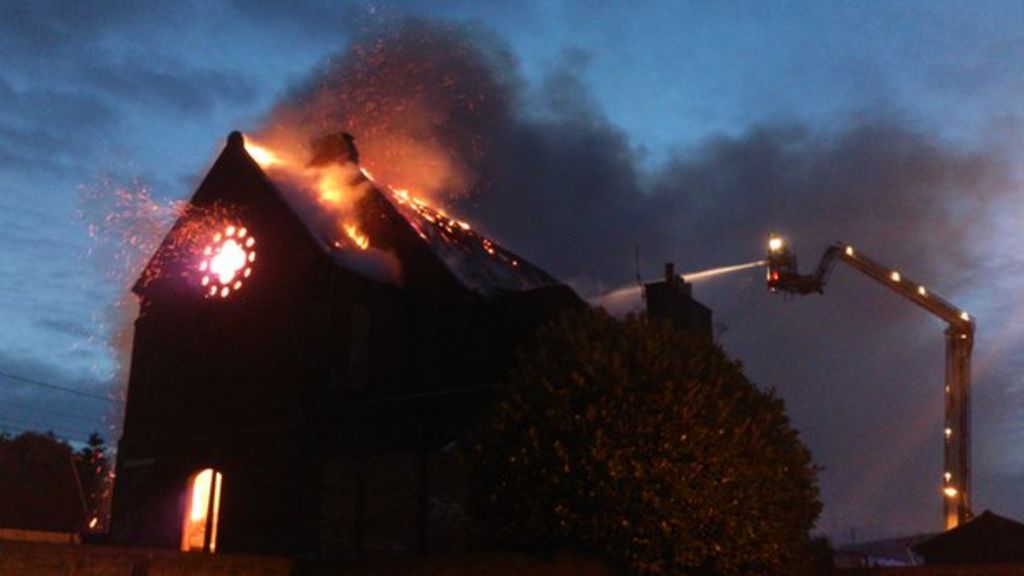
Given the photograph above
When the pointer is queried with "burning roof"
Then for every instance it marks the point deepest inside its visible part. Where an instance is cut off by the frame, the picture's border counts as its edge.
(382, 233)
(477, 262)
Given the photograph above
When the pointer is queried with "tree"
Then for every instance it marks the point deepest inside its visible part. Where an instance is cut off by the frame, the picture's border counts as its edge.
(648, 448)
(38, 489)
(46, 485)
(94, 473)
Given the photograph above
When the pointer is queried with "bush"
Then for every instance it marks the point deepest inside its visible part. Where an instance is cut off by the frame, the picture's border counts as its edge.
(648, 448)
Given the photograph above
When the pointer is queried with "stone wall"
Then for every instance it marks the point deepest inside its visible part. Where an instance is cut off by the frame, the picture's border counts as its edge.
(977, 570)
(38, 559)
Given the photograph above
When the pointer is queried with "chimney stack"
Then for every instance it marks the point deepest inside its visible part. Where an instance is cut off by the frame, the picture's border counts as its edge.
(672, 300)
(338, 147)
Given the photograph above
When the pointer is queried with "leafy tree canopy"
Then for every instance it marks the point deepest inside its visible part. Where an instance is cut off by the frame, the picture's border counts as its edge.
(46, 485)
(648, 448)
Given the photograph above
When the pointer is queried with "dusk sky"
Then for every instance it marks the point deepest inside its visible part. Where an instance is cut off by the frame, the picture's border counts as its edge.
(686, 130)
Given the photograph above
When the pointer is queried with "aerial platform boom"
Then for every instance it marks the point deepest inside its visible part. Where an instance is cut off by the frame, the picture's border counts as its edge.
(783, 276)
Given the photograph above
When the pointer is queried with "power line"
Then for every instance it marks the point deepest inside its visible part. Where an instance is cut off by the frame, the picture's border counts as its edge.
(30, 381)
(49, 412)
(6, 426)
(29, 420)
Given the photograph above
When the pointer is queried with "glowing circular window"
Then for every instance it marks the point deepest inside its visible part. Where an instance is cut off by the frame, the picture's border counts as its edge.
(227, 261)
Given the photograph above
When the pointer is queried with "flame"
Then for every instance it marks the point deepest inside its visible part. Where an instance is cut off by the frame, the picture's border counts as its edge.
(334, 189)
(262, 155)
(331, 187)
(361, 240)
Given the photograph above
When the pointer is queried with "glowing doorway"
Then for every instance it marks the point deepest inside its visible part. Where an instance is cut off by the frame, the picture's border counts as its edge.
(199, 527)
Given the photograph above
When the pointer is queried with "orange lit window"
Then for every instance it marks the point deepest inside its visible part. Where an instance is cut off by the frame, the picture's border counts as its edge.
(199, 526)
(227, 261)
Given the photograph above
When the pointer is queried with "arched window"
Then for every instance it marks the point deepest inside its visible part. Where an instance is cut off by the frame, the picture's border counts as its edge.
(202, 503)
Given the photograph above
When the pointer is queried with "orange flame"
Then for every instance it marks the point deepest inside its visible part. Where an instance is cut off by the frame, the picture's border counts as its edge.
(335, 188)
(361, 240)
(261, 154)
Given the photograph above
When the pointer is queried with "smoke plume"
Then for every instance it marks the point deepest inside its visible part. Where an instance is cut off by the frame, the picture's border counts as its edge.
(441, 110)
(423, 101)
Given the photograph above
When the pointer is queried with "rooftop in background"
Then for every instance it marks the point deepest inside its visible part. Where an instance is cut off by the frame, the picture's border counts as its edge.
(986, 539)
(889, 552)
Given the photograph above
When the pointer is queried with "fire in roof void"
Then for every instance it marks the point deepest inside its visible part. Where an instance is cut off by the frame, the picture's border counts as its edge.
(347, 212)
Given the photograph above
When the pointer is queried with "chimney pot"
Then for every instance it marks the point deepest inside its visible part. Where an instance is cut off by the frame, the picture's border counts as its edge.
(670, 273)
(338, 147)
(236, 140)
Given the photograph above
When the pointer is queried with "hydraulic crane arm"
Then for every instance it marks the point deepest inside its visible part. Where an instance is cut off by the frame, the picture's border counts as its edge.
(789, 281)
(783, 276)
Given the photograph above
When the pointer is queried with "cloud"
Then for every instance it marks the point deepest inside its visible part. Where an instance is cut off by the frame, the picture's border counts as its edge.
(65, 327)
(50, 128)
(168, 82)
(329, 19)
(44, 30)
(48, 123)
(76, 75)
(37, 406)
(323, 19)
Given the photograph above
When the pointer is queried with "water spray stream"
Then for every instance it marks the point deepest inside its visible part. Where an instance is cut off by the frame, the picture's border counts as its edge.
(628, 298)
(693, 276)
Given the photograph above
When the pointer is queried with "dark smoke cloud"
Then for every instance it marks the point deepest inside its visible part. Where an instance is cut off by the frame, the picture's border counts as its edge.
(570, 190)
(564, 186)
(421, 122)
(875, 182)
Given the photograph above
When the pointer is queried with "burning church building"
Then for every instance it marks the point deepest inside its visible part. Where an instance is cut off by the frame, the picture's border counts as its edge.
(310, 348)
